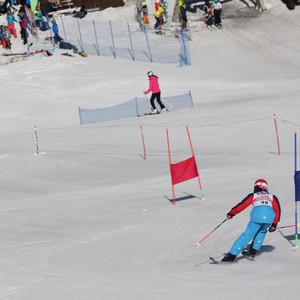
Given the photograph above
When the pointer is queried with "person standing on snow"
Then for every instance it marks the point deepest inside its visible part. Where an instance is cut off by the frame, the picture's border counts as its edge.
(155, 89)
(217, 10)
(182, 14)
(159, 17)
(23, 25)
(145, 14)
(55, 30)
(265, 214)
(208, 14)
(10, 17)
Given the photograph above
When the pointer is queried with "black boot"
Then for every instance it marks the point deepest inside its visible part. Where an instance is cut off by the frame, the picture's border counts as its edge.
(228, 258)
(249, 254)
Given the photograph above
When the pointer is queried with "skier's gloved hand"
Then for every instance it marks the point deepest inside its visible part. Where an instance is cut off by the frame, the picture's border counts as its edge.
(273, 227)
(230, 216)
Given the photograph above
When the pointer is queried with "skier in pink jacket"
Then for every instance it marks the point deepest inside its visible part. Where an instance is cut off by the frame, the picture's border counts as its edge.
(154, 88)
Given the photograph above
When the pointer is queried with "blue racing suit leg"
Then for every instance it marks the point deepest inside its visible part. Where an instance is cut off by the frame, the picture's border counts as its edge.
(260, 236)
(243, 240)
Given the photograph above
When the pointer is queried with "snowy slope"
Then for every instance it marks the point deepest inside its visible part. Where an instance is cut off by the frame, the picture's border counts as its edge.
(89, 218)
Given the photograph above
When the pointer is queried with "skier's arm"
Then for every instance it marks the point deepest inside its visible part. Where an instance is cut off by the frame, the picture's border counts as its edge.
(242, 205)
(277, 209)
(150, 88)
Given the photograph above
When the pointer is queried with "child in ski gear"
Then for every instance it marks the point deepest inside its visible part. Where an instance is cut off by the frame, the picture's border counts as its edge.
(23, 25)
(65, 45)
(5, 37)
(58, 39)
(55, 30)
(217, 9)
(155, 89)
(10, 17)
(265, 214)
(159, 18)
(208, 14)
(145, 13)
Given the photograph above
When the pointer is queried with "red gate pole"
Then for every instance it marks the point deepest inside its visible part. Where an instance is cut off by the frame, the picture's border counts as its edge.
(143, 141)
(169, 155)
(192, 149)
(276, 130)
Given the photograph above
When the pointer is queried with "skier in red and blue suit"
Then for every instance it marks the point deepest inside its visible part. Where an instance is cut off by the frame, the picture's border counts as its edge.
(265, 214)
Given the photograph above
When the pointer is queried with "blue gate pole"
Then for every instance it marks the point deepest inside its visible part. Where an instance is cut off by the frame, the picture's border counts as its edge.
(131, 45)
(190, 93)
(184, 47)
(151, 59)
(112, 38)
(63, 26)
(96, 38)
(296, 200)
(79, 111)
(80, 36)
(51, 33)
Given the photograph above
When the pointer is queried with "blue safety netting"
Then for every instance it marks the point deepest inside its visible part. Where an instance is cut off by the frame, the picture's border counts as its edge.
(132, 108)
(121, 41)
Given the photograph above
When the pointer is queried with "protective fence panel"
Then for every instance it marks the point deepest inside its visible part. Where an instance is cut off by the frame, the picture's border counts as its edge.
(132, 108)
(121, 41)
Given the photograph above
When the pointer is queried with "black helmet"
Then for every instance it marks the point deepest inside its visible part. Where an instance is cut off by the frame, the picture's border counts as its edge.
(150, 73)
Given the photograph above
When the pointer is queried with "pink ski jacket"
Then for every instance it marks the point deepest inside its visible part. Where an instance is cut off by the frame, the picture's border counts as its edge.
(153, 85)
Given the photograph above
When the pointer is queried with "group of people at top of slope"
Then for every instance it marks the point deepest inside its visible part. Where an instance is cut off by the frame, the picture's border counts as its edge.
(160, 14)
(212, 13)
(6, 31)
(13, 16)
(17, 16)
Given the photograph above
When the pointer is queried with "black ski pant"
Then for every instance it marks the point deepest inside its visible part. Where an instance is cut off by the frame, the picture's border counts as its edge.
(157, 97)
(217, 15)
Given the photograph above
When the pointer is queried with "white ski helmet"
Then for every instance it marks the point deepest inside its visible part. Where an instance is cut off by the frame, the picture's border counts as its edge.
(150, 73)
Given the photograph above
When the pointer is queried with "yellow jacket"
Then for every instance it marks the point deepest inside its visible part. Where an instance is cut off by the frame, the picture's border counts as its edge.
(159, 12)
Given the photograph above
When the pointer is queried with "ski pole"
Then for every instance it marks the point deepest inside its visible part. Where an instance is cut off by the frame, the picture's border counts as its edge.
(287, 226)
(199, 243)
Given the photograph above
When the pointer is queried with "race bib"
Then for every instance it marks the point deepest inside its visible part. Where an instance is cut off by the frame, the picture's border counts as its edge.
(262, 199)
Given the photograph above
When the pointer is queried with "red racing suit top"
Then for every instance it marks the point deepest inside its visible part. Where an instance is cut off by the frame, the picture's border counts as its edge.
(256, 200)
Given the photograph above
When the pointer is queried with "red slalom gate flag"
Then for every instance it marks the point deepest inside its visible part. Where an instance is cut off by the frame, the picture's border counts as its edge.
(184, 170)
